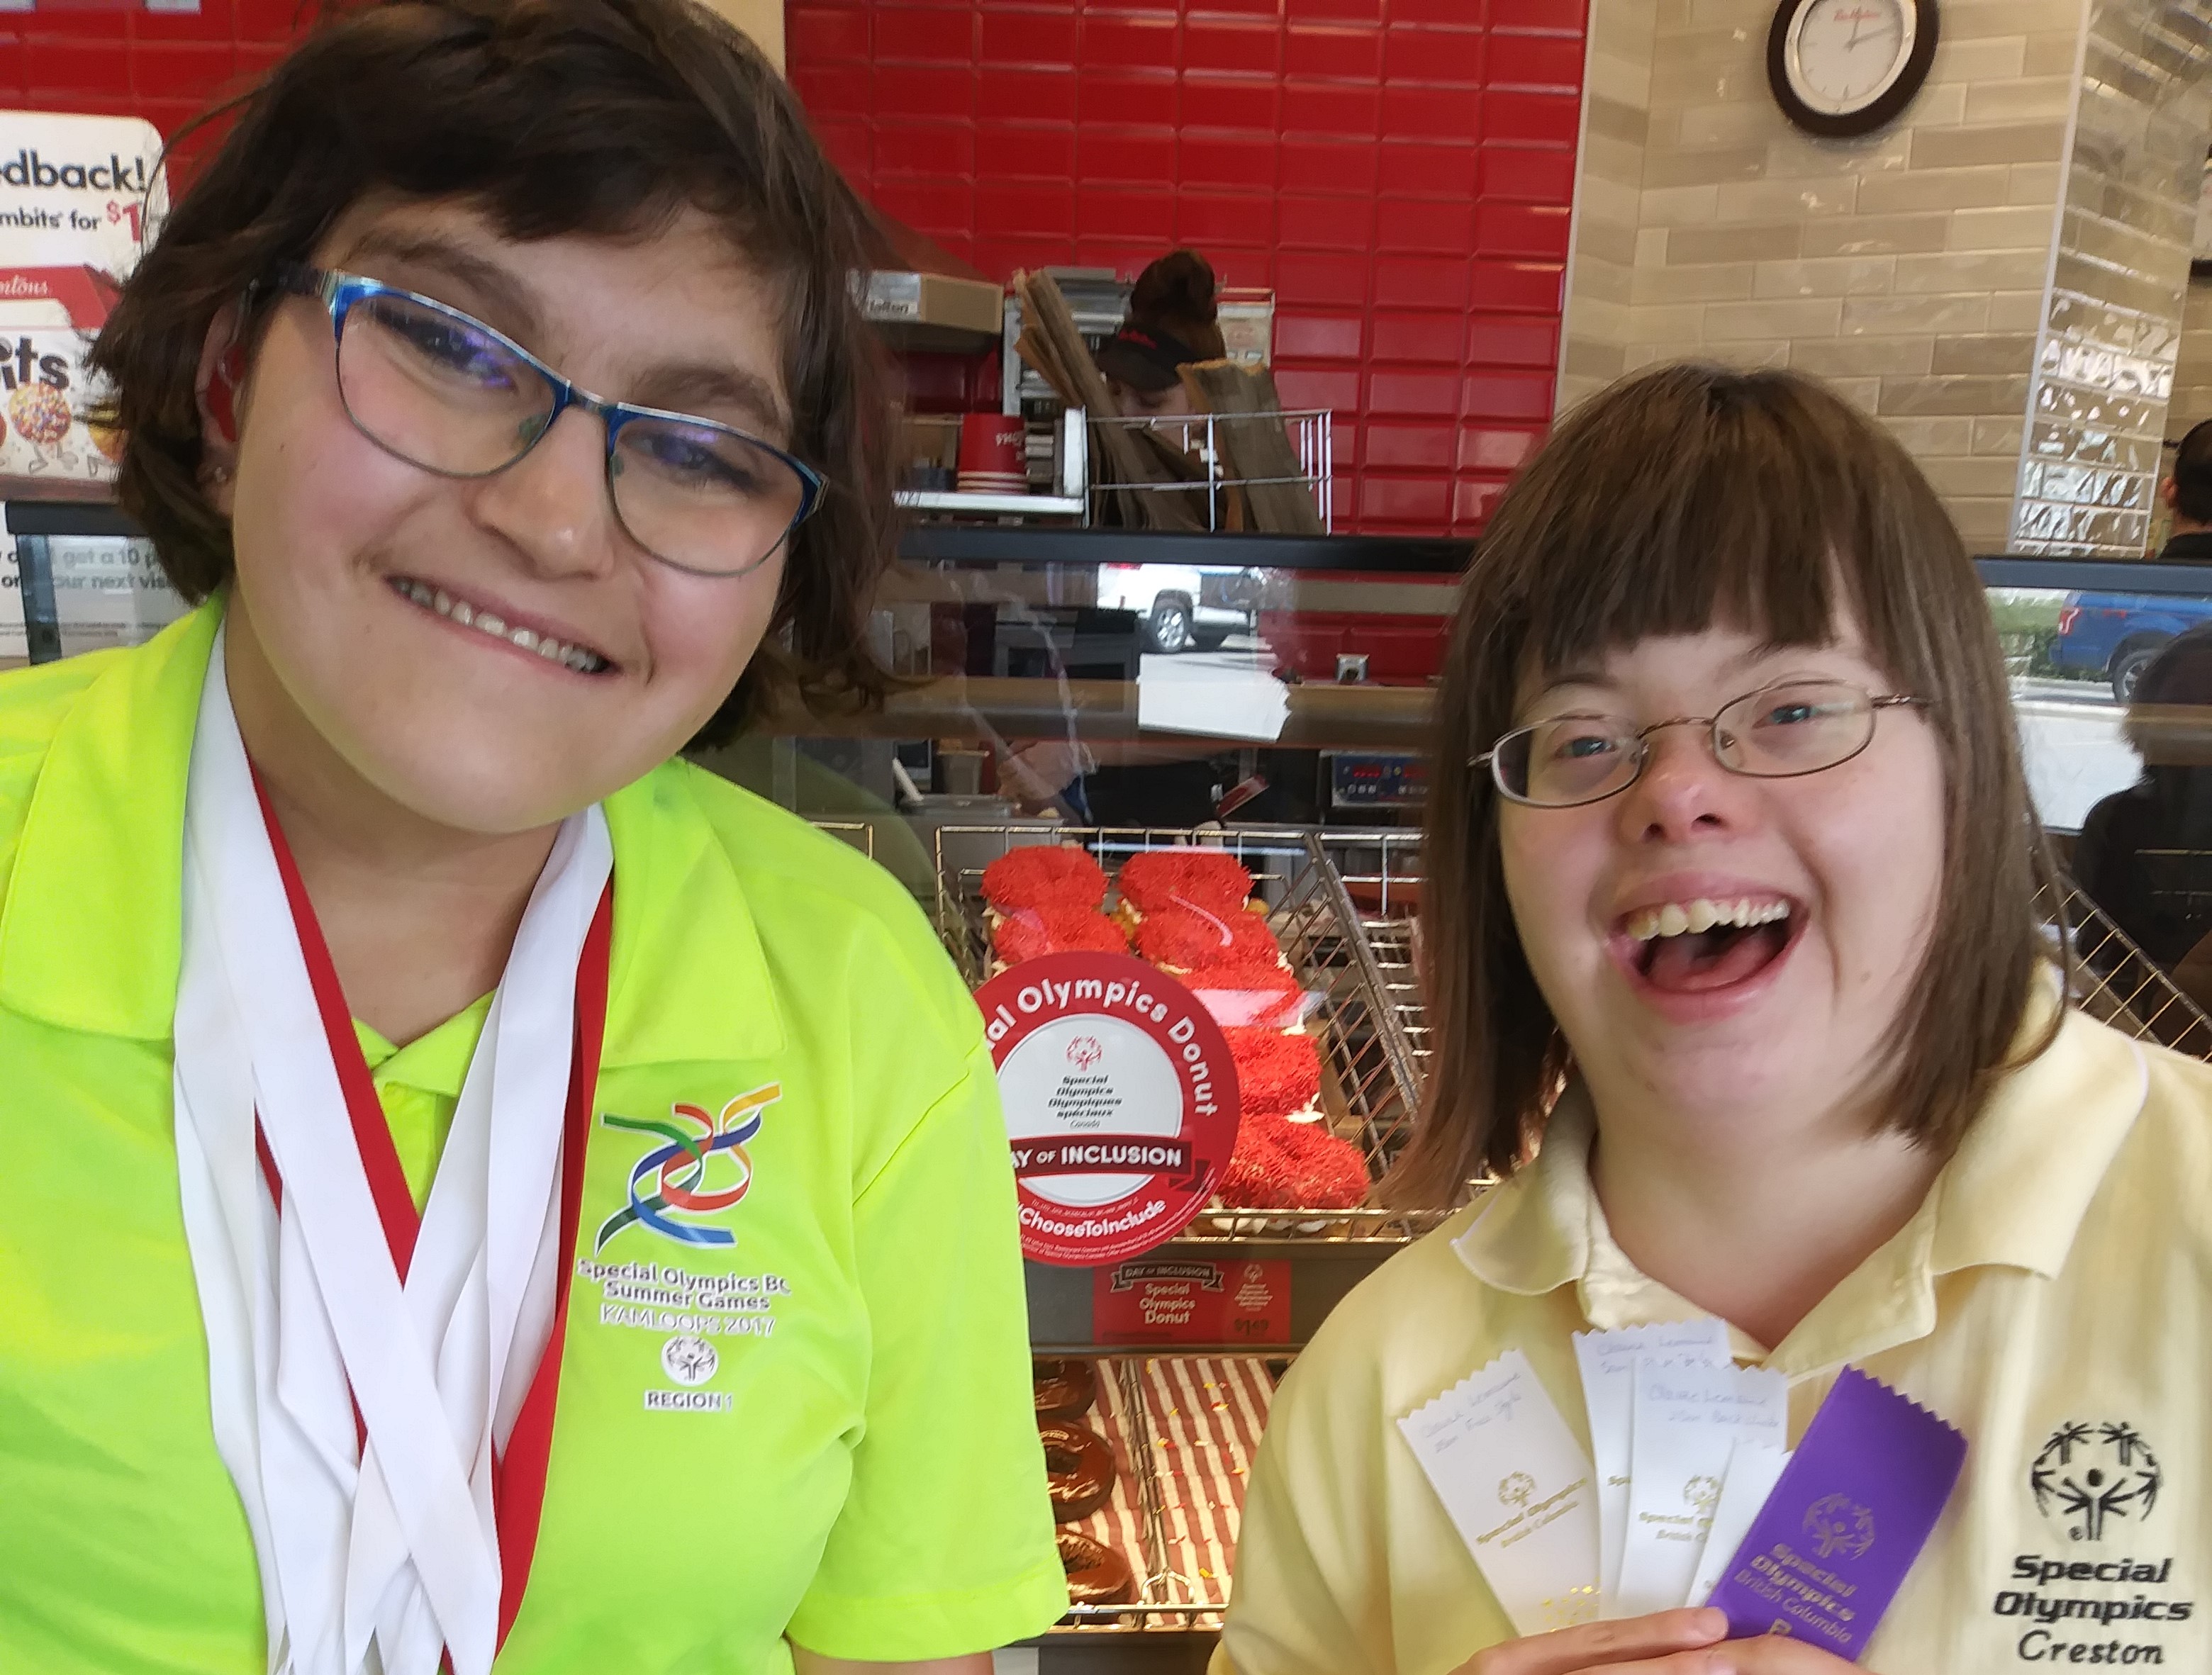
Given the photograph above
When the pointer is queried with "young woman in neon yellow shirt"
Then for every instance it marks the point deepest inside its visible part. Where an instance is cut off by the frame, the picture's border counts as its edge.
(472, 1189)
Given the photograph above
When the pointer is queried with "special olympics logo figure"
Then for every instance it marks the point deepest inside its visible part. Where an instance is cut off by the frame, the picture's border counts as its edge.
(703, 1169)
(1085, 1051)
(689, 1360)
(2088, 1474)
(1839, 1524)
(1515, 1487)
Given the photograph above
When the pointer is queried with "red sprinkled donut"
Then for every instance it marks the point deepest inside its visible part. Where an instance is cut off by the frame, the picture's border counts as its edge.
(1276, 1073)
(1198, 938)
(1079, 1469)
(1326, 1173)
(1283, 1165)
(1041, 875)
(1205, 877)
(1026, 932)
(1096, 1575)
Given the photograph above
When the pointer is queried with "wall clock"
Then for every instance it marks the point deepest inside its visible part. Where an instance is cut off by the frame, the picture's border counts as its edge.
(1840, 68)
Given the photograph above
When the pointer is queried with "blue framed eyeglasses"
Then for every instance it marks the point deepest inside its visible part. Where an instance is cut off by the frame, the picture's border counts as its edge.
(443, 391)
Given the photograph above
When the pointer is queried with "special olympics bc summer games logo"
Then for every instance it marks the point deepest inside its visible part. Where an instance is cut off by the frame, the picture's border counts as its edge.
(702, 1170)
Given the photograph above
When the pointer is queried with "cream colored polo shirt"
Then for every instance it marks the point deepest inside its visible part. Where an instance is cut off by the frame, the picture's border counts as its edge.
(2050, 1296)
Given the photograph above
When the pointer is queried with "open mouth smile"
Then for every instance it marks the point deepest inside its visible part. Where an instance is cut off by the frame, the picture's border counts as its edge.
(1701, 945)
(566, 654)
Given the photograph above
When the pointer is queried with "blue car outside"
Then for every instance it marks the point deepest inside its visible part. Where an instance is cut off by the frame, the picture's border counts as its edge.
(2115, 636)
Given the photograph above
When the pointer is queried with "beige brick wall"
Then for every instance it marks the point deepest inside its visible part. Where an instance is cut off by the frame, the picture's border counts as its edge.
(1599, 324)
(1908, 268)
(2192, 373)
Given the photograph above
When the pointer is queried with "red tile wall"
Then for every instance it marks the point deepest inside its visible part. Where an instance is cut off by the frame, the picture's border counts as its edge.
(119, 61)
(1399, 171)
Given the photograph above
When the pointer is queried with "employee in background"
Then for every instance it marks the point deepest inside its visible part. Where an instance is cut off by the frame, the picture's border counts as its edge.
(1173, 319)
(2188, 494)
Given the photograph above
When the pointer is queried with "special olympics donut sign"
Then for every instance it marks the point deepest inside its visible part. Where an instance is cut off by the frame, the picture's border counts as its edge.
(1121, 1102)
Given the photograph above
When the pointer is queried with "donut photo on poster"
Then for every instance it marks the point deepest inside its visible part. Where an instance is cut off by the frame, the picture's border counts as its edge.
(1120, 1099)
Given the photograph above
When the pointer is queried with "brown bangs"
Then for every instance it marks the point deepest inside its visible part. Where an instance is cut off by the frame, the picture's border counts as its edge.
(1678, 500)
(1755, 501)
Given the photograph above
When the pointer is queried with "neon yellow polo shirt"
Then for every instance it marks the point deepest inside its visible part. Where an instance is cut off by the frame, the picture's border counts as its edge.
(2056, 1277)
(859, 1470)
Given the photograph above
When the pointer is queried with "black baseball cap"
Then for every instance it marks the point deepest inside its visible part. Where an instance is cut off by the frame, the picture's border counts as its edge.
(1145, 358)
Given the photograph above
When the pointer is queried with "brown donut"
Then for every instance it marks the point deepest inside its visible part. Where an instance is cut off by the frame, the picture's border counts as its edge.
(1096, 1575)
(1064, 1389)
(1079, 1469)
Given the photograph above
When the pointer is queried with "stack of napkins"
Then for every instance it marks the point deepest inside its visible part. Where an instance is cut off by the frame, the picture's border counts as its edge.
(1692, 1473)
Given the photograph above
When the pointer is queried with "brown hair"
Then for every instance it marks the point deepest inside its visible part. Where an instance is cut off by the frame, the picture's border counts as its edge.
(1676, 500)
(1177, 294)
(604, 117)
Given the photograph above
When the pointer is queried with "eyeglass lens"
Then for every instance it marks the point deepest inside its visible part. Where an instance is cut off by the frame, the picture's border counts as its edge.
(1777, 732)
(441, 392)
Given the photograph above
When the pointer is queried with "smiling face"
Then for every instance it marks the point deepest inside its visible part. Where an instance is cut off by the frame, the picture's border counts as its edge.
(406, 616)
(1717, 943)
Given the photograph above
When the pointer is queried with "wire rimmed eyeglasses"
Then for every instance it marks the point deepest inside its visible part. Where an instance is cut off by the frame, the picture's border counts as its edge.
(1779, 731)
(440, 389)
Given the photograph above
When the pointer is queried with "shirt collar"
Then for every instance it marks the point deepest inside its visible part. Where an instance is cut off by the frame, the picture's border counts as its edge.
(2013, 1195)
(91, 925)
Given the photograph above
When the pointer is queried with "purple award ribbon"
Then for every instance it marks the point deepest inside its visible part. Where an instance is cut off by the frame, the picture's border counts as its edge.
(1830, 1547)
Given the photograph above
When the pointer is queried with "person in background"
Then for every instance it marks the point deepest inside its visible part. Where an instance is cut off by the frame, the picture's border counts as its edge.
(2145, 853)
(1173, 319)
(2188, 494)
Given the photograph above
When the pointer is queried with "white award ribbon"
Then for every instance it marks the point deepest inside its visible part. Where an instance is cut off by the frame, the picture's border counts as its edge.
(1607, 1361)
(1518, 1489)
(1688, 1422)
(1753, 1469)
(385, 1556)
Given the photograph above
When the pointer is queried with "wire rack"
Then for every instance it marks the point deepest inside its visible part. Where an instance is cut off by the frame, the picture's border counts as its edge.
(1381, 872)
(1167, 1597)
(1309, 431)
(860, 834)
(1371, 1088)
(2116, 982)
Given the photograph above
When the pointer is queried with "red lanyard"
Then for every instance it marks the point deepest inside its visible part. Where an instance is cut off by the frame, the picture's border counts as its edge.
(518, 1493)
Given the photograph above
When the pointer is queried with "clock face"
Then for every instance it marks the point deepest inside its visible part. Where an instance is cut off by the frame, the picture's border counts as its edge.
(1842, 55)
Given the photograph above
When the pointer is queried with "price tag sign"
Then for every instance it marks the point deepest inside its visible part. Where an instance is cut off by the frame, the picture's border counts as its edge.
(1120, 1101)
(1149, 1302)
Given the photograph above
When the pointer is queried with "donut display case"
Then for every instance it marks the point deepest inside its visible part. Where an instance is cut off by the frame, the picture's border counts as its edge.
(1298, 941)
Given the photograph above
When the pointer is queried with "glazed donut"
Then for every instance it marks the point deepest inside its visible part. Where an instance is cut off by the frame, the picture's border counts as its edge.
(1276, 1073)
(1064, 1389)
(1201, 877)
(1249, 994)
(1096, 1575)
(1189, 938)
(1040, 875)
(1024, 933)
(1079, 1469)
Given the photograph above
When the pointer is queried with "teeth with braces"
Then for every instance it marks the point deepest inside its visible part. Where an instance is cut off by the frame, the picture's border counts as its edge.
(1674, 918)
(437, 599)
